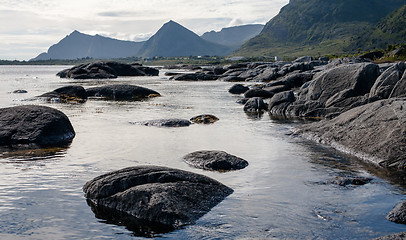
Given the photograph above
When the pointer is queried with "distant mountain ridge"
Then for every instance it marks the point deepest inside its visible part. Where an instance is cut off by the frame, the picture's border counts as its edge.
(172, 40)
(233, 37)
(317, 26)
(79, 45)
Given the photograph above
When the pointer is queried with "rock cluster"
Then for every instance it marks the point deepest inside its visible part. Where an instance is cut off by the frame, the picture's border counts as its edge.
(109, 69)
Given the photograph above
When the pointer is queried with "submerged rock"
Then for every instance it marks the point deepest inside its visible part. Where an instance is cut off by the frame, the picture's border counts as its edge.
(67, 94)
(20, 91)
(398, 214)
(215, 160)
(109, 69)
(205, 119)
(121, 92)
(174, 122)
(39, 125)
(344, 181)
(162, 195)
(373, 132)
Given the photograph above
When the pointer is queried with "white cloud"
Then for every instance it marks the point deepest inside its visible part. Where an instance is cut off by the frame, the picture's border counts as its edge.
(41, 23)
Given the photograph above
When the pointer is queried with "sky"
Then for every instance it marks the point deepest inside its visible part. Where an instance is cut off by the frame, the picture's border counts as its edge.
(28, 28)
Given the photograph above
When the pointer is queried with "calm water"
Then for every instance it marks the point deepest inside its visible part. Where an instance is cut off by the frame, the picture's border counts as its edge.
(281, 195)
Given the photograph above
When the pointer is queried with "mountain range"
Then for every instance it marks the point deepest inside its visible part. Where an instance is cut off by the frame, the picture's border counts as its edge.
(316, 27)
(171, 40)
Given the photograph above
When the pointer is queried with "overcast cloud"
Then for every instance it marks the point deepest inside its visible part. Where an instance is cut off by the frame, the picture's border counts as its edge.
(30, 27)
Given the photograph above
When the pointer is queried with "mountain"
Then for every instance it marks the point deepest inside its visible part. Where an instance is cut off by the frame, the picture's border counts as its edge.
(233, 37)
(174, 40)
(390, 30)
(317, 26)
(78, 45)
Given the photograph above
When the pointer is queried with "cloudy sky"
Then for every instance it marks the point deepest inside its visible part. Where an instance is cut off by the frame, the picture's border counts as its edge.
(30, 27)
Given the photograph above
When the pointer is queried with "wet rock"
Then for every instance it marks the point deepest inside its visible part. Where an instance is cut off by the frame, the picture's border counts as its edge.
(103, 70)
(38, 125)
(398, 214)
(20, 91)
(173, 122)
(374, 132)
(335, 91)
(166, 196)
(121, 92)
(205, 119)
(254, 105)
(396, 236)
(345, 181)
(215, 160)
(238, 89)
(281, 97)
(66, 94)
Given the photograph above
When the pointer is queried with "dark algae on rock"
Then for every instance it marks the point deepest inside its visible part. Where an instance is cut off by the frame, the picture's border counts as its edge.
(154, 195)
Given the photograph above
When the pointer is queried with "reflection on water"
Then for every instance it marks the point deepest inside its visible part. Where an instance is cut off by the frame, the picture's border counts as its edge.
(274, 197)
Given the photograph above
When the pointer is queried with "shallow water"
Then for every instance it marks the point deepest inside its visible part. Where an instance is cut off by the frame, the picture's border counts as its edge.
(283, 193)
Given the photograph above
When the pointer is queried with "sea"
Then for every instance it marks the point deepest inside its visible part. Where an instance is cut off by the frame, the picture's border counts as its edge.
(284, 193)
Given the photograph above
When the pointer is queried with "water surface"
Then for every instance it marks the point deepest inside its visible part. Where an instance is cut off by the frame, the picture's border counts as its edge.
(283, 194)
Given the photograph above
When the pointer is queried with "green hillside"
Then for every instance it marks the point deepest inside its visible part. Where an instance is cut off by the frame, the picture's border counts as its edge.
(391, 30)
(317, 27)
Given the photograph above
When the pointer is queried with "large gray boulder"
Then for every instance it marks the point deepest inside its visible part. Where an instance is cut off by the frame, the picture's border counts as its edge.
(38, 125)
(255, 105)
(162, 195)
(335, 91)
(375, 132)
(109, 69)
(386, 82)
(67, 94)
(121, 92)
(215, 160)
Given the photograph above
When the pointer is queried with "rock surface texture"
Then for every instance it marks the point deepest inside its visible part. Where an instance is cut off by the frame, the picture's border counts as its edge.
(103, 70)
(374, 132)
(161, 195)
(204, 119)
(398, 214)
(215, 160)
(39, 125)
(122, 92)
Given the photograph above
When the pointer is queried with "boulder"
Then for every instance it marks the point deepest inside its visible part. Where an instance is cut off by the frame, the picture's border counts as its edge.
(66, 94)
(385, 83)
(279, 102)
(335, 91)
(205, 119)
(121, 92)
(37, 125)
(398, 214)
(372, 55)
(238, 89)
(292, 80)
(254, 105)
(231, 79)
(103, 70)
(258, 92)
(156, 195)
(268, 74)
(399, 90)
(173, 122)
(375, 132)
(215, 160)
